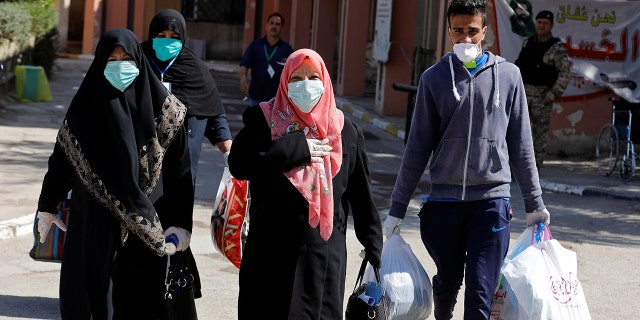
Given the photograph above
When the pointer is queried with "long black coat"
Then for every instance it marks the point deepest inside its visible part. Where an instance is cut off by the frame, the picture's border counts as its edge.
(288, 271)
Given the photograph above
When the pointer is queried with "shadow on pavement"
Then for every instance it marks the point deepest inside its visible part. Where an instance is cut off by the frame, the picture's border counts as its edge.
(29, 307)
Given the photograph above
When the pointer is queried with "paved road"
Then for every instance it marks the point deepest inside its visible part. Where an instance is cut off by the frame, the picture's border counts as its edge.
(603, 231)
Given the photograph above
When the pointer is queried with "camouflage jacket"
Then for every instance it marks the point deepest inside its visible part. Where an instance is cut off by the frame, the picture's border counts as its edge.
(557, 56)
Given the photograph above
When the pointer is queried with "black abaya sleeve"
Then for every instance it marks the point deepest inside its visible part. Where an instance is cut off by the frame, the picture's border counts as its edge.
(175, 207)
(57, 181)
(253, 152)
(366, 219)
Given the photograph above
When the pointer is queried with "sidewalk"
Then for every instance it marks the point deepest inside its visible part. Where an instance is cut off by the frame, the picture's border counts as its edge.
(27, 134)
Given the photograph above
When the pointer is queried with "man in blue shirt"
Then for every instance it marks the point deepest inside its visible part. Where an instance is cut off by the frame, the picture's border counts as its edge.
(265, 57)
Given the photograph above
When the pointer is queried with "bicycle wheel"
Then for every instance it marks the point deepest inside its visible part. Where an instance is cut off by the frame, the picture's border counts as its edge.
(628, 163)
(607, 149)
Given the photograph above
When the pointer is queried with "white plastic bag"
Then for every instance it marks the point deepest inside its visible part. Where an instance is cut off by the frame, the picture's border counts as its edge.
(545, 282)
(406, 283)
(505, 303)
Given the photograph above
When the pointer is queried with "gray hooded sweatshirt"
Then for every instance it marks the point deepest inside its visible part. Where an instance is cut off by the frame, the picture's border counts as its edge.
(472, 131)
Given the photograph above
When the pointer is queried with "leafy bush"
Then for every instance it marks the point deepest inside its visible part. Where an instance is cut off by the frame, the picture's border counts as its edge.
(43, 18)
(21, 21)
(45, 28)
(15, 22)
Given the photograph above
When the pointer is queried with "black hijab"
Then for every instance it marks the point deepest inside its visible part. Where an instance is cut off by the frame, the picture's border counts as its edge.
(116, 140)
(191, 80)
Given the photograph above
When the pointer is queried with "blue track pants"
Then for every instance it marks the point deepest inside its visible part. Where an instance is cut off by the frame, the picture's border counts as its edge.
(466, 240)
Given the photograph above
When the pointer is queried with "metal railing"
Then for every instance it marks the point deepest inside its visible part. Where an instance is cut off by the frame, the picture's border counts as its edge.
(411, 90)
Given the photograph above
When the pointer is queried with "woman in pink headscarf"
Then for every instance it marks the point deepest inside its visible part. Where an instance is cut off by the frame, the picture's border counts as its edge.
(307, 168)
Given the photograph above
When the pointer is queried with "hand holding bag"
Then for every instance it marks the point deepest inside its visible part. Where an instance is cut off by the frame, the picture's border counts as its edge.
(51, 250)
(407, 287)
(545, 282)
(505, 304)
(367, 302)
(179, 296)
(229, 223)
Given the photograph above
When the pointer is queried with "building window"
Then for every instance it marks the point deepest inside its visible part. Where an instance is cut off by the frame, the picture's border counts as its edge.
(218, 11)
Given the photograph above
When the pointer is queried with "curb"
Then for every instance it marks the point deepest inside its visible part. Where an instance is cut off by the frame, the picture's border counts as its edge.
(16, 226)
(561, 187)
(365, 116)
(233, 67)
(617, 195)
(74, 56)
(587, 191)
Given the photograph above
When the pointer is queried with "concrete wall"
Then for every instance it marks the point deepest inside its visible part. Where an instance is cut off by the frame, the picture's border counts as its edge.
(399, 66)
(575, 124)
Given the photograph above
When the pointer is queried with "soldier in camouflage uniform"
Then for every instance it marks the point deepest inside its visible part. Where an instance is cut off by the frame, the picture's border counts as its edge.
(544, 64)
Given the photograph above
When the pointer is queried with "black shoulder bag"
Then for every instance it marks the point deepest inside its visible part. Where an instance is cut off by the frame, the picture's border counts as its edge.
(358, 309)
(179, 296)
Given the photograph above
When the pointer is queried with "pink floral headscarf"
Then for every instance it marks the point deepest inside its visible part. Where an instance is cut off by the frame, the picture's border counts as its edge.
(324, 121)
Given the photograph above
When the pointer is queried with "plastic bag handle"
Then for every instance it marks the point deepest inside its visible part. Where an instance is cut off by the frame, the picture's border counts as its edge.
(541, 233)
(363, 266)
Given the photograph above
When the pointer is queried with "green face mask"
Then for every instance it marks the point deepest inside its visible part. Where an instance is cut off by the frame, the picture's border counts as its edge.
(167, 48)
(121, 74)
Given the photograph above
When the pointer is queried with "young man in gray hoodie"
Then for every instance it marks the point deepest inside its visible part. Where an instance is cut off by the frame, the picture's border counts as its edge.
(471, 126)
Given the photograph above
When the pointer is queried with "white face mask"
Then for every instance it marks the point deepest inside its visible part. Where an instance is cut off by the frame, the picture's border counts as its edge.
(305, 94)
(467, 52)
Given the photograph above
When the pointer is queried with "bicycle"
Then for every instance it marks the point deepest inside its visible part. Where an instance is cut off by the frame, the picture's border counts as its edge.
(615, 140)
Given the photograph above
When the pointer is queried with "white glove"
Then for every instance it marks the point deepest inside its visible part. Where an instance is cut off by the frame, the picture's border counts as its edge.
(538, 216)
(226, 159)
(390, 226)
(184, 239)
(318, 149)
(45, 221)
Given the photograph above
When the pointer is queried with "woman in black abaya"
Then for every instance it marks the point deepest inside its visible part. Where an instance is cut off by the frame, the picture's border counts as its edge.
(190, 80)
(122, 150)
